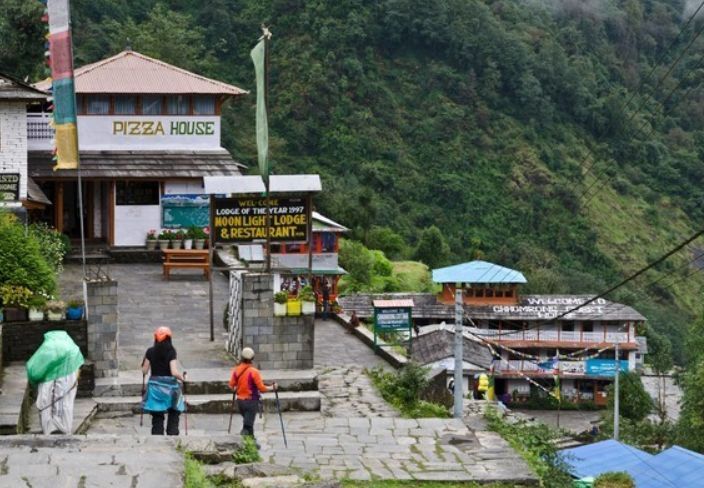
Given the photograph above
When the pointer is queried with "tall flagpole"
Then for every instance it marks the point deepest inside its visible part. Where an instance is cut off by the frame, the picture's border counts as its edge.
(266, 35)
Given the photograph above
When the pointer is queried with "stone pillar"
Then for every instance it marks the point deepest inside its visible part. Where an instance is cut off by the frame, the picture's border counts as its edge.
(279, 342)
(102, 327)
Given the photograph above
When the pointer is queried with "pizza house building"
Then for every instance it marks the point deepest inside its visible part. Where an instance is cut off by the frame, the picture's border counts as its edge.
(527, 334)
(148, 132)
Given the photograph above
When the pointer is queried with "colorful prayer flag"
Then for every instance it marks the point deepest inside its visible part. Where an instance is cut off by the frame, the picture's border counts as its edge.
(64, 96)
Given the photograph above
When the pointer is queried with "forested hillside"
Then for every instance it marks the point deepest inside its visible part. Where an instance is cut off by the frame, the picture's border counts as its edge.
(546, 135)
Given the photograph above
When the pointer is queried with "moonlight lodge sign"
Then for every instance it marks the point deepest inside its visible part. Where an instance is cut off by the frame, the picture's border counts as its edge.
(245, 219)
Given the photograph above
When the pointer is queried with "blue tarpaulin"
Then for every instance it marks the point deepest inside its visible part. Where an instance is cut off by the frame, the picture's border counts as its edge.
(674, 467)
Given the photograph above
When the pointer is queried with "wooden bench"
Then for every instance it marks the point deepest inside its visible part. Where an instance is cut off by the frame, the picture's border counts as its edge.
(186, 258)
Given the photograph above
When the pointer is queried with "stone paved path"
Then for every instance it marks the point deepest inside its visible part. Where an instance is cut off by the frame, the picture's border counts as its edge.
(97, 461)
(145, 302)
(341, 358)
(366, 448)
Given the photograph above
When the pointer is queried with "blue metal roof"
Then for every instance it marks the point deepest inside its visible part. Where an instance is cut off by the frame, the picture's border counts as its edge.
(674, 467)
(477, 272)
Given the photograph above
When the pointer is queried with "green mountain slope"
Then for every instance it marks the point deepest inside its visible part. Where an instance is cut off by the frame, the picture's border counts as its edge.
(504, 123)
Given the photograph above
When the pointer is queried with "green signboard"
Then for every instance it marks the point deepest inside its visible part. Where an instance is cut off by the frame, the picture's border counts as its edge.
(184, 211)
(386, 319)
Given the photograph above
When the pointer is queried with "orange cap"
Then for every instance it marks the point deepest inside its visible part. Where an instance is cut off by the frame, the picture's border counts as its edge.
(161, 334)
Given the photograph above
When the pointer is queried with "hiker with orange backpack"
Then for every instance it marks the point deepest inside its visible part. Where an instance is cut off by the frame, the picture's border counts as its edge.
(247, 385)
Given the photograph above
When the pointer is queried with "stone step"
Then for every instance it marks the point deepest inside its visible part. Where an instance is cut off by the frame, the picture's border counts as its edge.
(14, 384)
(291, 401)
(84, 409)
(207, 381)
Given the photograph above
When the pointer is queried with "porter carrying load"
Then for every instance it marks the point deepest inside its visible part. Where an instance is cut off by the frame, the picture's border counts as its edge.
(54, 367)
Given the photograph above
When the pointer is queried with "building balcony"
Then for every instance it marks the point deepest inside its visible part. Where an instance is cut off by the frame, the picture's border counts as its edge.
(555, 338)
(299, 262)
(40, 135)
(589, 367)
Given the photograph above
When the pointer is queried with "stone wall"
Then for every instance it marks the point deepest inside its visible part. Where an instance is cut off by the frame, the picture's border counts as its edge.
(13, 141)
(279, 342)
(102, 327)
(21, 339)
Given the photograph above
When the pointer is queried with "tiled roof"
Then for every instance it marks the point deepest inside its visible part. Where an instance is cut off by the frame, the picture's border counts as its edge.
(140, 164)
(435, 343)
(132, 72)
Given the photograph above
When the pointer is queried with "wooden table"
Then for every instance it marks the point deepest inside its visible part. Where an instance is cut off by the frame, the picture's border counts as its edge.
(186, 258)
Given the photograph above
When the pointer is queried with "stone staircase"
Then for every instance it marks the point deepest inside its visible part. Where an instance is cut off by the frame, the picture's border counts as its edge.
(207, 391)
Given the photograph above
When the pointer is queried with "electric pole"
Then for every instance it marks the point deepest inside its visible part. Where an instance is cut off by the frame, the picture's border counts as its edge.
(459, 380)
(616, 375)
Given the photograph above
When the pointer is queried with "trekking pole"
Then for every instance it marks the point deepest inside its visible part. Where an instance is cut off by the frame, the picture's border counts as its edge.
(281, 419)
(185, 402)
(232, 409)
(141, 413)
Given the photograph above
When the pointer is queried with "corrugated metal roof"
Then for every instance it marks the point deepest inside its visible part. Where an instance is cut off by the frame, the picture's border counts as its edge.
(323, 224)
(294, 183)
(673, 467)
(236, 185)
(14, 89)
(393, 303)
(132, 72)
(477, 272)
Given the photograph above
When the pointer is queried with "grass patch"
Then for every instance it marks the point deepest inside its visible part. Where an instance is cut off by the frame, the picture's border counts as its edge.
(194, 475)
(422, 484)
(248, 453)
(403, 388)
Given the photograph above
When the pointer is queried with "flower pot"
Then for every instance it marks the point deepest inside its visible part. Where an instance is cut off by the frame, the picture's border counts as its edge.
(176, 244)
(188, 243)
(74, 313)
(199, 243)
(279, 309)
(293, 308)
(36, 314)
(54, 316)
(163, 243)
(15, 314)
(308, 308)
(151, 244)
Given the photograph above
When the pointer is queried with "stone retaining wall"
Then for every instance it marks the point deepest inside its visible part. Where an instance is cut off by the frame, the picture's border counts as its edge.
(279, 342)
(21, 339)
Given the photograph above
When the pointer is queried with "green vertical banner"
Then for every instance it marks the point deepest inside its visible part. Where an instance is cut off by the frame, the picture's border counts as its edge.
(258, 55)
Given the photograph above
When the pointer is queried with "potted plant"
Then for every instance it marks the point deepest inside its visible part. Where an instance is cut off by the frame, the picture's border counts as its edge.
(307, 298)
(199, 237)
(188, 239)
(151, 240)
(74, 311)
(36, 308)
(177, 239)
(280, 299)
(163, 239)
(16, 301)
(55, 310)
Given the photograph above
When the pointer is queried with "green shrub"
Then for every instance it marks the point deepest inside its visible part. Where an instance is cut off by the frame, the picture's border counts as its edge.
(194, 476)
(248, 453)
(21, 260)
(614, 480)
(281, 297)
(53, 244)
(15, 296)
(403, 390)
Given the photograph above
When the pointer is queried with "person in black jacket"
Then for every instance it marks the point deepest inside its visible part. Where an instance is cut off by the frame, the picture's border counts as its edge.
(164, 393)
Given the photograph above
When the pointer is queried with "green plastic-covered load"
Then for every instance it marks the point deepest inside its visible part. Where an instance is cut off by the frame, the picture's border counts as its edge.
(58, 356)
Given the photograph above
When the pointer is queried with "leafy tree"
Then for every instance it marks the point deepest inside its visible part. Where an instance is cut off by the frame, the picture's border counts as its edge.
(357, 260)
(432, 248)
(388, 241)
(690, 426)
(634, 402)
(22, 34)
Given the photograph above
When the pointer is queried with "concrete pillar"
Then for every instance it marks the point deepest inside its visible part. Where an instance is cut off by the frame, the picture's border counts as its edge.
(102, 328)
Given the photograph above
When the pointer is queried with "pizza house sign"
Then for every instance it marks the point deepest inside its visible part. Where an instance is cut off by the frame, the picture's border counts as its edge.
(116, 132)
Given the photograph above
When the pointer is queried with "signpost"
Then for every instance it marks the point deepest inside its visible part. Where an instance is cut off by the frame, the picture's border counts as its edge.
(9, 187)
(392, 316)
(245, 219)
